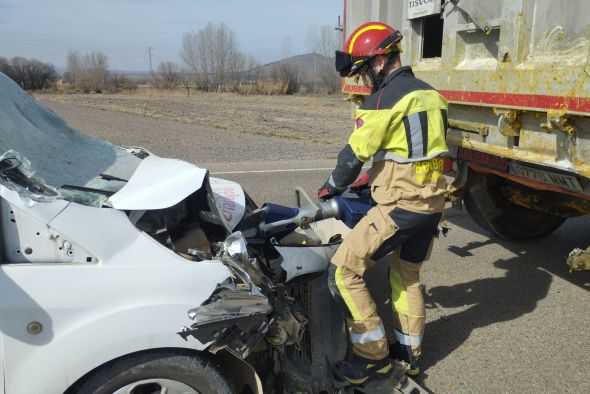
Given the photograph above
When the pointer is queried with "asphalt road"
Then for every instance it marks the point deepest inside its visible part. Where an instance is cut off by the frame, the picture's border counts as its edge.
(501, 317)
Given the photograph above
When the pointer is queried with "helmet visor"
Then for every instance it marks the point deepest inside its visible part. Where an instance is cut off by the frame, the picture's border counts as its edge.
(343, 63)
(348, 65)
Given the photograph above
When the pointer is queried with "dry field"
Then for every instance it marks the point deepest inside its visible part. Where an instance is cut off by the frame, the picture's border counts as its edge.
(211, 127)
(323, 119)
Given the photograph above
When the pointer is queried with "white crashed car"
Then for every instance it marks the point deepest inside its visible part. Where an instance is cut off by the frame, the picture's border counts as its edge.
(104, 250)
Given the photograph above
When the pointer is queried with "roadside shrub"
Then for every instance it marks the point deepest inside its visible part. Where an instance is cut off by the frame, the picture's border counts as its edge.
(119, 82)
(265, 88)
(30, 74)
(168, 77)
(287, 78)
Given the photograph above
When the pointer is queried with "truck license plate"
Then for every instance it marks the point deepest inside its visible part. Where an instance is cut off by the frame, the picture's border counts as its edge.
(486, 159)
(561, 180)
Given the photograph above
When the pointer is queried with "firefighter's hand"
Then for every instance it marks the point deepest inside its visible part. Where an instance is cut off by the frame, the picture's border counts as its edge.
(326, 192)
(362, 182)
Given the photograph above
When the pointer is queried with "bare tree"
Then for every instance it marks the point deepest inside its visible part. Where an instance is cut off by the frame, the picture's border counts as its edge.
(169, 75)
(212, 54)
(236, 68)
(74, 68)
(287, 47)
(327, 44)
(97, 69)
(222, 52)
(197, 53)
(312, 44)
(88, 72)
(255, 70)
(323, 42)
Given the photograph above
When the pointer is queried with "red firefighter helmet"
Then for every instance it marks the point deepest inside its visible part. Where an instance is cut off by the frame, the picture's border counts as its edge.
(367, 41)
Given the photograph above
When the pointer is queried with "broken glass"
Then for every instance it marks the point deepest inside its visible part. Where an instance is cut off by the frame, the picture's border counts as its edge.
(79, 167)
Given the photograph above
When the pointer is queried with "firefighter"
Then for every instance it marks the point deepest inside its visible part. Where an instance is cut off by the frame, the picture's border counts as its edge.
(401, 126)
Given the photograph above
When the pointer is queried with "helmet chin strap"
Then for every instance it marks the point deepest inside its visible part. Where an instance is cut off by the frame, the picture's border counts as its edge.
(378, 78)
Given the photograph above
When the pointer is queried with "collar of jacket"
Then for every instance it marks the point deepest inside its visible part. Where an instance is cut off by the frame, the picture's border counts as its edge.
(399, 71)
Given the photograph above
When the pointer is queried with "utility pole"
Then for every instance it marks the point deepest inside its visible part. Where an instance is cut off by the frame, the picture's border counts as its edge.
(151, 69)
(340, 28)
(315, 70)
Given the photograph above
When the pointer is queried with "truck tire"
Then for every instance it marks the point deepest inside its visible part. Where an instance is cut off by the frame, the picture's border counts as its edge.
(156, 372)
(493, 211)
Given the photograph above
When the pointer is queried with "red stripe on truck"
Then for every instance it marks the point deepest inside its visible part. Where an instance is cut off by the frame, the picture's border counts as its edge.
(571, 104)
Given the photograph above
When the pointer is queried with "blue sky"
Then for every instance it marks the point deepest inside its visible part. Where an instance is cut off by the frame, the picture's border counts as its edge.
(124, 29)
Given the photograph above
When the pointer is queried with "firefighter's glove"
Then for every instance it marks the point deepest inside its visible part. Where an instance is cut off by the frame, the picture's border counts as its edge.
(328, 191)
(362, 182)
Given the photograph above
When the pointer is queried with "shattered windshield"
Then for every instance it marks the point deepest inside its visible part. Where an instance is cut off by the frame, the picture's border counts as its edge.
(42, 157)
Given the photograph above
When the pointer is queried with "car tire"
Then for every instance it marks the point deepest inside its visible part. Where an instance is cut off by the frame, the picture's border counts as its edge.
(493, 211)
(157, 372)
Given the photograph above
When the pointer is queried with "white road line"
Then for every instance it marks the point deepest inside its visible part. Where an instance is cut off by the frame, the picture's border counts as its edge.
(269, 171)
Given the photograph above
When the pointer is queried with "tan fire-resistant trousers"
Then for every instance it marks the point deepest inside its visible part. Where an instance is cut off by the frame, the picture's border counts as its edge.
(376, 234)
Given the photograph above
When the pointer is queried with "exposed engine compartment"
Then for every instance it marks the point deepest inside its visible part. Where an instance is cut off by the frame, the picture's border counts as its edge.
(190, 227)
(264, 312)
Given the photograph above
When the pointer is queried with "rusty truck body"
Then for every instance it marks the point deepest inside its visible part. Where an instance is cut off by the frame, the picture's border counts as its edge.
(516, 74)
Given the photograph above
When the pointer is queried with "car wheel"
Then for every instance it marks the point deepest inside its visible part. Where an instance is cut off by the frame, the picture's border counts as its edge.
(157, 372)
(487, 205)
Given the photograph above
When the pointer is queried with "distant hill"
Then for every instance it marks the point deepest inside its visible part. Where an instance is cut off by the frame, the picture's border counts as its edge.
(305, 64)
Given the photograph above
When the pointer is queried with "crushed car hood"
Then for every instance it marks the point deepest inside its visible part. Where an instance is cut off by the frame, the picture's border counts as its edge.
(158, 183)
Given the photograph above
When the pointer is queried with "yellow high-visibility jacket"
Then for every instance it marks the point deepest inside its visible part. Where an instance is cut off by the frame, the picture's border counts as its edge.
(404, 121)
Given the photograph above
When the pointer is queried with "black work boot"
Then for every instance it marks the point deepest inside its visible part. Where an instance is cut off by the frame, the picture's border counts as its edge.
(405, 355)
(358, 369)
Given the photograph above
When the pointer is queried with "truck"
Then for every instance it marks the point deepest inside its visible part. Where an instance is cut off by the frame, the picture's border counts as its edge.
(517, 79)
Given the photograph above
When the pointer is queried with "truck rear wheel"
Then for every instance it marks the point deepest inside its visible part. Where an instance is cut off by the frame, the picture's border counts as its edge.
(491, 209)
